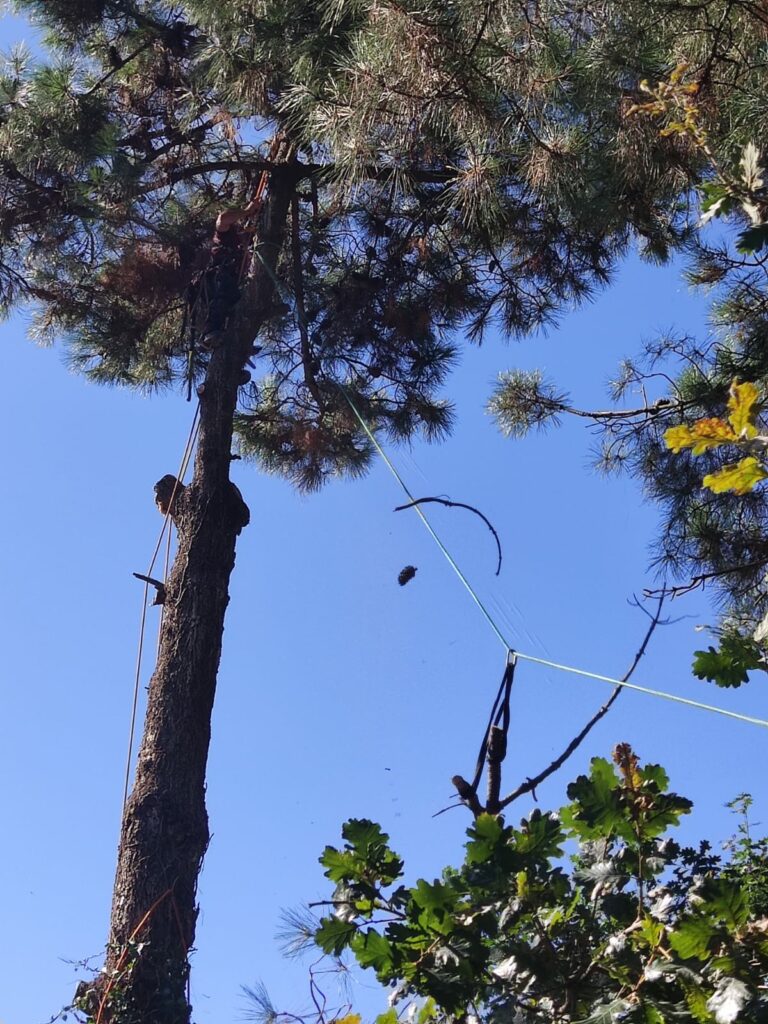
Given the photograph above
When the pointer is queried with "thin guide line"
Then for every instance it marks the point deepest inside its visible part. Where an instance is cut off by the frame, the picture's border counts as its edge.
(644, 689)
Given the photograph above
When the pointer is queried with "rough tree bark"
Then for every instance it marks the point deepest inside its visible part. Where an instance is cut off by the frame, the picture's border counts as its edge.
(165, 824)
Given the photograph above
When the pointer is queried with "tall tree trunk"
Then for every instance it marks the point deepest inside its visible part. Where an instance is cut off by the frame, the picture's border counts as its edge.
(165, 825)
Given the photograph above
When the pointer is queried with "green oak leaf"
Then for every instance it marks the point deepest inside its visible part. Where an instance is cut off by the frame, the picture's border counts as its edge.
(436, 905)
(666, 810)
(730, 664)
(724, 901)
(484, 836)
(696, 1001)
(541, 836)
(334, 935)
(654, 773)
(596, 809)
(372, 950)
(692, 936)
(341, 865)
(370, 844)
(363, 835)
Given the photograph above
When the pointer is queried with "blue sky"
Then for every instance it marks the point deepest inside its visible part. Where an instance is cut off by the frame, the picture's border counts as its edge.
(340, 693)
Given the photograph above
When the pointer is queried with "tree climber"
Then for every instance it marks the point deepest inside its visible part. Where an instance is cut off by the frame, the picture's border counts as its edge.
(215, 291)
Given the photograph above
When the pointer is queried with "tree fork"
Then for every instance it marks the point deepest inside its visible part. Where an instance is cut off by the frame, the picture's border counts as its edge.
(164, 832)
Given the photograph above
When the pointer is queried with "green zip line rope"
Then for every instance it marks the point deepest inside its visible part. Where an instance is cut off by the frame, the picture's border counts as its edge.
(491, 622)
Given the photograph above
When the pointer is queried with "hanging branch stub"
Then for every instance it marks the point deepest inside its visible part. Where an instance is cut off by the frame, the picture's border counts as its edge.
(458, 504)
(157, 584)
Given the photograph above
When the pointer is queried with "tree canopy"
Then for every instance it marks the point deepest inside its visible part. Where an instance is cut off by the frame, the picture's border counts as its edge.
(455, 165)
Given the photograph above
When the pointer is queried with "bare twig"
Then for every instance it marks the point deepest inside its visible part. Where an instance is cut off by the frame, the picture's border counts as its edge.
(119, 65)
(457, 504)
(468, 795)
(700, 581)
(530, 784)
(450, 807)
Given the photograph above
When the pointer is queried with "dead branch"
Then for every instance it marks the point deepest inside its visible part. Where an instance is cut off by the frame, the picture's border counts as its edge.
(457, 504)
(467, 794)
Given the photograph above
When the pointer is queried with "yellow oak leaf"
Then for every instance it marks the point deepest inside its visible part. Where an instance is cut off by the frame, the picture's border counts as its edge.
(739, 477)
(351, 1018)
(699, 436)
(742, 409)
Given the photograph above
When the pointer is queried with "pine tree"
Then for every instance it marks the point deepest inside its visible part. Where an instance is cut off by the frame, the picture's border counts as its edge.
(443, 166)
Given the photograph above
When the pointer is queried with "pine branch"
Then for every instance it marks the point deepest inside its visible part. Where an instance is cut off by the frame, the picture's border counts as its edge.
(701, 579)
(304, 171)
(119, 66)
